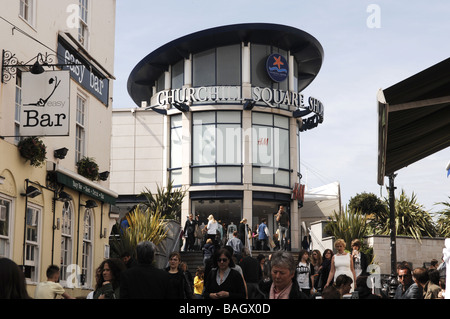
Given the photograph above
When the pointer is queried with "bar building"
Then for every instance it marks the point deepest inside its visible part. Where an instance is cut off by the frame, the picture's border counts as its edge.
(51, 214)
(220, 112)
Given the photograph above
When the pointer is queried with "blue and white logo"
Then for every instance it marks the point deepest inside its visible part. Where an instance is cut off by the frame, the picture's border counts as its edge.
(277, 67)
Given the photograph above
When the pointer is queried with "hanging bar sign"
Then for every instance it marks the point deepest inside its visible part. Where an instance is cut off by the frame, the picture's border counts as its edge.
(45, 104)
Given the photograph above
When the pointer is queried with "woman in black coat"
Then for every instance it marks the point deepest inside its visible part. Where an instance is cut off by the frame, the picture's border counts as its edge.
(324, 269)
(224, 282)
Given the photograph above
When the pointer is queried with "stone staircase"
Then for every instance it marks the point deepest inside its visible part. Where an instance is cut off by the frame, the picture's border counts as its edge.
(194, 259)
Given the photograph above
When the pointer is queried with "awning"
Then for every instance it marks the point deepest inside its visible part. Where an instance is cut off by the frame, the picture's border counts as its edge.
(82, 184)
(413, 119)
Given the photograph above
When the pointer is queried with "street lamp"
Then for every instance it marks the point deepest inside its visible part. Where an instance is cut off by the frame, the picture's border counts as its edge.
(393, 245)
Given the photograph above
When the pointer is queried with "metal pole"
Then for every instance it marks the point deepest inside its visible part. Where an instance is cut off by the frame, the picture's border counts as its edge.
(393, 246)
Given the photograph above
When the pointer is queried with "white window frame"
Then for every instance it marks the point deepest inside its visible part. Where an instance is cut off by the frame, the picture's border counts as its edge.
(27, 11)
(80, 129)
(7, 214)
(83, 29)
(88, 246)
(17, 106)
(33, 246)
(66, 239)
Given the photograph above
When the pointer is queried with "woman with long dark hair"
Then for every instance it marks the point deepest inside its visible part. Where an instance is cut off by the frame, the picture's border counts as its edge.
(108, 279)
(324, 269)
(12, 281)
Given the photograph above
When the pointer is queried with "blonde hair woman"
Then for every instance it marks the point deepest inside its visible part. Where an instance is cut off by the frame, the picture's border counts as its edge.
(212, 228)
(341, 263)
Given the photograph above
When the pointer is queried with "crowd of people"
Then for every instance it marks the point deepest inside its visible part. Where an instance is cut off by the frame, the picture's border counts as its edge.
(196, 234)
(231, 274)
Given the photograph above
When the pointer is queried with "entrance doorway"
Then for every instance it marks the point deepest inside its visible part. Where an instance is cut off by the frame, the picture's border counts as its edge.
(268, 210)
(226, 211)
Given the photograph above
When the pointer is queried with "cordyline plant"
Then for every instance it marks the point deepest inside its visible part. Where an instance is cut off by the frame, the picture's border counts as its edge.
(144, 225)
(348, 224)
(168, 201)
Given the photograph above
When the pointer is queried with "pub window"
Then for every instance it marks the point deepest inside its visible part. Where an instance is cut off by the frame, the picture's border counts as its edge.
(217, 148)
(80, 139)
(83, 29)
(17, 106)
(66, 239)
(5, 223)
(86, 264)
(32, 243)
(270, 149)
(27, 11)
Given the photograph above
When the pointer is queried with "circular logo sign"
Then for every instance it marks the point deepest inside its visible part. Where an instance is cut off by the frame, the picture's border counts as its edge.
(277, 67)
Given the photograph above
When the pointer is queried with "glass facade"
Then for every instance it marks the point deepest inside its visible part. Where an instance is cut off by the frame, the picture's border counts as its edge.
(270, 149)
(219, 66)
(217, 147)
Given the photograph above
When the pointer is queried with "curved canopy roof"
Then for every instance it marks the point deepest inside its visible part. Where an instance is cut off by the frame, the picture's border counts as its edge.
(414, 119)
(307, 51)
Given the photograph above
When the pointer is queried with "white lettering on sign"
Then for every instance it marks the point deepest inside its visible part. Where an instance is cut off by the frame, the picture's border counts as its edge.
(229, 94)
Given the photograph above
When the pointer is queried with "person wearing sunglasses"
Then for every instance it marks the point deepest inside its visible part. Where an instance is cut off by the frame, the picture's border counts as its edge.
(223, 281)
(407, 288)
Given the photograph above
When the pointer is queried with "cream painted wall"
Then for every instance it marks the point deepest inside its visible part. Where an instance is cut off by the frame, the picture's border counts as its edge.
(51, 19)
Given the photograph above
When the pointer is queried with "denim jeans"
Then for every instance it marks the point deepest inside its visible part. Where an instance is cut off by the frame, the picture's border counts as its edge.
(283, 237)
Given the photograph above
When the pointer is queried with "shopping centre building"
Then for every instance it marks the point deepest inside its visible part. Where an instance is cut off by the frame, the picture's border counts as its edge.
(220, 113)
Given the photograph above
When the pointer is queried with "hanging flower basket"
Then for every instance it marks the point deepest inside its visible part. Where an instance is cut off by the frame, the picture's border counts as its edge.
(33, 150)
(88, 168)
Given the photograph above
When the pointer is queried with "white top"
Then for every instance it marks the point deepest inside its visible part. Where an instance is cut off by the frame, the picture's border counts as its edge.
(212, 228)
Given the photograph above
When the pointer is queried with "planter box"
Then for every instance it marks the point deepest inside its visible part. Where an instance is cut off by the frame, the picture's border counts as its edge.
(168, 245)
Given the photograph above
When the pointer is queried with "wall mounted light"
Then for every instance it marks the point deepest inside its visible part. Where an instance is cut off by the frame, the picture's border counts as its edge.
(249, 104)
(60, 153)
(31, 192)
(181, 106)
(103, 175)
(64, 197)
(90, 204)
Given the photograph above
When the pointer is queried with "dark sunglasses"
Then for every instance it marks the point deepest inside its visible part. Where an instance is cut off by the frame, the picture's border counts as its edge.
(222, 260)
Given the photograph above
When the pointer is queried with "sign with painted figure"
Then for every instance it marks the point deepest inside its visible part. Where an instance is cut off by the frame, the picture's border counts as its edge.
(45, 105)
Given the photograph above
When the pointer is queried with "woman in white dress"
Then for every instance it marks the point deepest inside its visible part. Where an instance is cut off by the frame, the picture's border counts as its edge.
(341, 263)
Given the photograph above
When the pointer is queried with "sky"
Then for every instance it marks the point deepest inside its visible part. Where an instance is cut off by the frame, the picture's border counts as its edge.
(368, 45)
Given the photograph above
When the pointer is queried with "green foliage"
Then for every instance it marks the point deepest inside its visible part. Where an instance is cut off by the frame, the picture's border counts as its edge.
(34, 150)
(88, 168)
(443, 221)
(144, 225)
(410, 219)
(367, 203)
(348, 225)
(168, 201)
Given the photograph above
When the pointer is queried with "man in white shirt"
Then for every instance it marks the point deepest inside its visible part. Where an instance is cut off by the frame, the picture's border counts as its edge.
(51, 289)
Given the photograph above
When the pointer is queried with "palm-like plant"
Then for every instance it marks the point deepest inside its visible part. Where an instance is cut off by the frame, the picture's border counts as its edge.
(144, 225)
(410, 219)
(348, 225)
(168, 201)
(443, 222)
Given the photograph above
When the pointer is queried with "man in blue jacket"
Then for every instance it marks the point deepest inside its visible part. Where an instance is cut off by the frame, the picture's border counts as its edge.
(262, 234)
